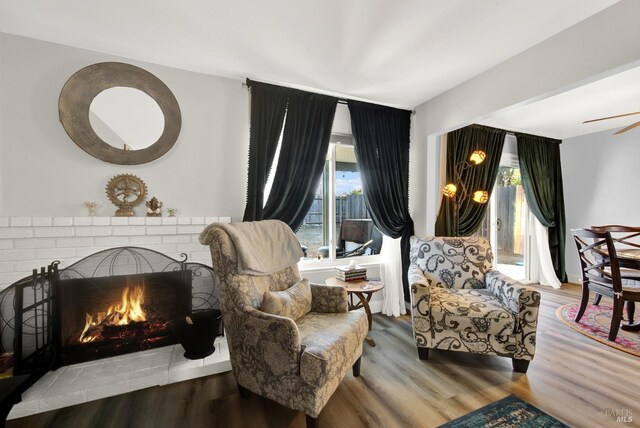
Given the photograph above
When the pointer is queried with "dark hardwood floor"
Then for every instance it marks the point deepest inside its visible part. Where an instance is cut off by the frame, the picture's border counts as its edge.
(573, 378)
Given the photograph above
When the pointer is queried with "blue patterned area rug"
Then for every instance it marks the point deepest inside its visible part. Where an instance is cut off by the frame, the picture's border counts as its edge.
(508, 412)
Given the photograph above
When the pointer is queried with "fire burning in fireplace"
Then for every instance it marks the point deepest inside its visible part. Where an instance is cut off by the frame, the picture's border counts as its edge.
(112, 315)
(127, 310)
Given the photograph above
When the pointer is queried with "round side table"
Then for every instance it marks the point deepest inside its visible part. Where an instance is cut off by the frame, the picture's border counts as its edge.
(363, 290)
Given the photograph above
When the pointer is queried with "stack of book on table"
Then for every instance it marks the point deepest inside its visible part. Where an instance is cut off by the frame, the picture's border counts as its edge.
(347, 273)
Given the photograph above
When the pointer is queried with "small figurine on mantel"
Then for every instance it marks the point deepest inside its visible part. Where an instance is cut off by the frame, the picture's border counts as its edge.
(154, 207)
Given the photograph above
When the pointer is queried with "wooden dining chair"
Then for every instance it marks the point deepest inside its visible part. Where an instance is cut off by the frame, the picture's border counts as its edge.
(624, 238)
(601, 274)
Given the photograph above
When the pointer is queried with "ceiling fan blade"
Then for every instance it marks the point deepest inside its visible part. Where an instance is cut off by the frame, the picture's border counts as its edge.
(635, 125)
(611, 117)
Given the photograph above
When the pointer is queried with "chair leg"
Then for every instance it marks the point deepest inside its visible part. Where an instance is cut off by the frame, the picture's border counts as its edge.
(583, 303)
(423, 353)
(244, 392)
(616, 318)
(520, 366)
(356, 367)
(312, 422)
(631, 311)
(596, 300)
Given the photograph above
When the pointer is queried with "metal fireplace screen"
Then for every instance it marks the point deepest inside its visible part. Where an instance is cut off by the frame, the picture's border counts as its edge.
(111, 315)
(30, 309)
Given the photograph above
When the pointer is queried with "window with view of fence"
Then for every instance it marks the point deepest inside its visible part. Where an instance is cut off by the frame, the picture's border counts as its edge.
(347, 207)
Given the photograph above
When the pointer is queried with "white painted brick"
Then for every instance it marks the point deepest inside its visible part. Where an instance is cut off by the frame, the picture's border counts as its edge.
(6, 244)
(34, 243)
(209, 220)
(62, 221)
(30, 265)
(4, 221)
(148, 378)
(128, 230)
(120, 221)
(176, 239)
(9, 278)
(169, 220)
(184, 220)
(16, 232)
(200, 255)
(137, 221)
(6, 267)
(192, 246)
(15, 255)
(20, 221)
(115, 241)
(168, 249)
(41, 221)
(197, 220)
(94, 231)
(153, 221)
(22, 409)
(82, 221)
(161, 230)
(74, 242)
(56, 253)
(145, 240)
(195, 238)
(54, 232)
(84, 252)
(224, 219)
(188, 230)
(101, 221)
(114, 387)
(54, 402)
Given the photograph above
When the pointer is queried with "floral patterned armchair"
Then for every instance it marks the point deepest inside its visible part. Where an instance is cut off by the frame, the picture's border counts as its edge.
(459, 303)
(300, 363)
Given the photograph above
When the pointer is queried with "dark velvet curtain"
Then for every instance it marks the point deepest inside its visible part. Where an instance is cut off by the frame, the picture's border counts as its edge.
(268, 108)
(542, 181)
(381, 142)
(460, 144)
(305, 142)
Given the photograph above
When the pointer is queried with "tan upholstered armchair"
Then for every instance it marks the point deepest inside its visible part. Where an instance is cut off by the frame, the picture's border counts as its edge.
(300, 362)
(459, 303)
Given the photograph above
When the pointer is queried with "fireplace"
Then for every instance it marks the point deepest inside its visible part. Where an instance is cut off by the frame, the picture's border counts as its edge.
(107, 316)
(113, 302)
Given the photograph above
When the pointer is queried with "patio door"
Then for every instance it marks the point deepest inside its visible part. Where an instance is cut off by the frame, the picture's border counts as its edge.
(506, 221)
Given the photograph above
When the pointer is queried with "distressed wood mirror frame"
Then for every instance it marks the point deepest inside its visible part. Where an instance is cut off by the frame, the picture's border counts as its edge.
(80, 90)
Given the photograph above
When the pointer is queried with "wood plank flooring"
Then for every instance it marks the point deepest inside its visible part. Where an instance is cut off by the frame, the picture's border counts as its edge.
(573, 378)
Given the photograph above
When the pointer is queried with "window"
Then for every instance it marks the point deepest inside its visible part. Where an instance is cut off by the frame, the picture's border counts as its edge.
(338, 197)
(339, 207)
(505, 222)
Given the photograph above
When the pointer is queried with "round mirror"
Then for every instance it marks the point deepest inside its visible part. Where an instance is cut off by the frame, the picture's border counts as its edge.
(119, 113)
(126, 118)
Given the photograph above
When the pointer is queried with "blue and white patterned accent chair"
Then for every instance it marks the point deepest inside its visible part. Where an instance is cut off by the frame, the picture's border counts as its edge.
(459, 303)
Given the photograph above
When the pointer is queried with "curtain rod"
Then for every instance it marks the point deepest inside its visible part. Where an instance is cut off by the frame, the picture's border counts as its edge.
(247, 84)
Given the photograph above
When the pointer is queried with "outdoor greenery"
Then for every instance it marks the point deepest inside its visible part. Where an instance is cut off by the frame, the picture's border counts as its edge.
(509, 177)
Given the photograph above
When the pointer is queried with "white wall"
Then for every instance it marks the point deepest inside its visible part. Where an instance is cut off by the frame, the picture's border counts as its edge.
(601, 45)
(600, 174)
(43, 173)
(576, 56)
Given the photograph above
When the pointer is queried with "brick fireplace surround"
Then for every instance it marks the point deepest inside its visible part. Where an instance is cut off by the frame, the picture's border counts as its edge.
(27, 243)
